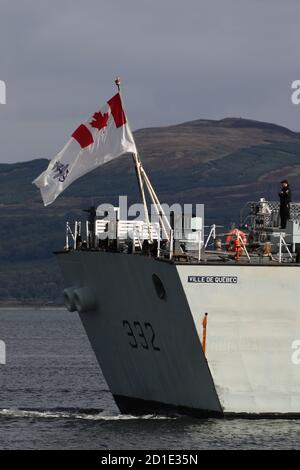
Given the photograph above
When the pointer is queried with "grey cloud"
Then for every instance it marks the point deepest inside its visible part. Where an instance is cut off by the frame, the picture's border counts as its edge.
(179, 61)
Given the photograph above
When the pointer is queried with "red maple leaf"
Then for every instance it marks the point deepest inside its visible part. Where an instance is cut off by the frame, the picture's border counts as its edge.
(99, 120)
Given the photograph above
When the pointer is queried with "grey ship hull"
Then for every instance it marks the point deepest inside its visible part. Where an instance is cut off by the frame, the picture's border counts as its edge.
(147, 338)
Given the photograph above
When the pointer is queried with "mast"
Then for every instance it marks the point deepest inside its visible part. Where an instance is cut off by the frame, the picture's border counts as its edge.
(143, 181)
(159, 210)
(138, 166)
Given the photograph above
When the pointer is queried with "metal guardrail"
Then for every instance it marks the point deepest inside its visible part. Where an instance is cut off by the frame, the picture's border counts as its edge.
(271, 218)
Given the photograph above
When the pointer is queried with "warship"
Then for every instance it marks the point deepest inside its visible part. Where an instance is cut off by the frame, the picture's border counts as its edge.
(180, 316)
(207, 326)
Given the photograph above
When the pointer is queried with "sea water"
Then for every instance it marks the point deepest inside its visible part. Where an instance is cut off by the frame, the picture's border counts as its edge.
(53, 396)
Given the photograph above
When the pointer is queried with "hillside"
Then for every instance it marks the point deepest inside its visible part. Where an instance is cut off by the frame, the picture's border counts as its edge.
(222, 164)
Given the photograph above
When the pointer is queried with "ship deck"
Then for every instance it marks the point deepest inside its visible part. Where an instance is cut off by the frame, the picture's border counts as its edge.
(208, 258)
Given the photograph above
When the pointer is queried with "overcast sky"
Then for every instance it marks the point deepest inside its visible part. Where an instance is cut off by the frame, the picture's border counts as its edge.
(179, 61)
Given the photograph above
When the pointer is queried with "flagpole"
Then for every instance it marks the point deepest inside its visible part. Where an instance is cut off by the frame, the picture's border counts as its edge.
(138, 165)
(118, 84)
(160, 212)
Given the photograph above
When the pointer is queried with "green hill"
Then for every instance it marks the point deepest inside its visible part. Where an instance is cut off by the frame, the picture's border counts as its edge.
(222, 164)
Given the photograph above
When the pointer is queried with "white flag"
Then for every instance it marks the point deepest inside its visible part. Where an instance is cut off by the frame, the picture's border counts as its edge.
(105, 136)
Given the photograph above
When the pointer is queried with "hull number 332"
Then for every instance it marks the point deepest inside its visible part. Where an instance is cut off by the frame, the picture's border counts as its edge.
(141, 335)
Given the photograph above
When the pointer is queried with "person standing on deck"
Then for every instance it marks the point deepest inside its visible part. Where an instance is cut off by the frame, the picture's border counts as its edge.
(285, 197)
